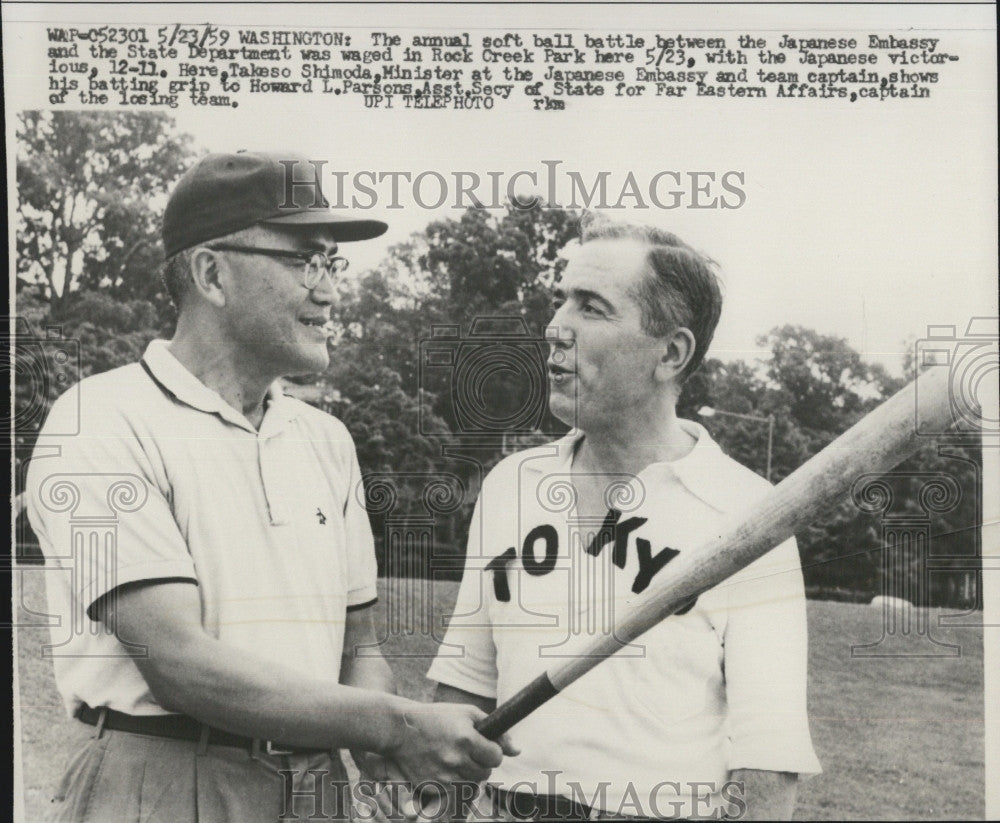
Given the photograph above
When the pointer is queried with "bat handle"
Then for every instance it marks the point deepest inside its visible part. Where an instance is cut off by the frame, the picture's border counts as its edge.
(513, 711)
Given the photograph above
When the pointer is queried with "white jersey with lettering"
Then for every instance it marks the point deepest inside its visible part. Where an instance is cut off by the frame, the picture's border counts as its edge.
(656, 729)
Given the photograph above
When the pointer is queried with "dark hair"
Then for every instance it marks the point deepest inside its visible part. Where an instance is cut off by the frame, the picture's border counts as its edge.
(681, 289)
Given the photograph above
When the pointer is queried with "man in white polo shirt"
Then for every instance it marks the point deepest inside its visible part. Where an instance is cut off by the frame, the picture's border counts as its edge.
(704, 715)
(211, 562)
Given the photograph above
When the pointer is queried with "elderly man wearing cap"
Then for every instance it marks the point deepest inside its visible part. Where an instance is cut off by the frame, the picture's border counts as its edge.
(219, 611)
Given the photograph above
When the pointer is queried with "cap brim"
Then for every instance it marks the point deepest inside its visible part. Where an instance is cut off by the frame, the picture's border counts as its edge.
(342, 229)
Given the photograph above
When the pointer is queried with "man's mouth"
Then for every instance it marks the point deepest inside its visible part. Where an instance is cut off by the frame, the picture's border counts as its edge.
(558, 373)
(320, 323)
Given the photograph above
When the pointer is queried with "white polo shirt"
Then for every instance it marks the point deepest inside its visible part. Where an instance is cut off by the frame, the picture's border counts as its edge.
(165, 481)
(656, 729)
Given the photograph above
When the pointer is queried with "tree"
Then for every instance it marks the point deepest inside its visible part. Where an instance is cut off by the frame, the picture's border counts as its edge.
(390, 308)
(493, 277)
(481, 262)
(399, 449)
(827, 386)
(845, 548)
(816, 386)
(91, 188)
(479, 267)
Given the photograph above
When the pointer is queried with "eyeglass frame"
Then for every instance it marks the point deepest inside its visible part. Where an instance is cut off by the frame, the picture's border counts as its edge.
(307, 258)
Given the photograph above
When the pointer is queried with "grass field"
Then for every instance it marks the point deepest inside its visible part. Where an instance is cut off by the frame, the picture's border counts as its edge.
(899, 737)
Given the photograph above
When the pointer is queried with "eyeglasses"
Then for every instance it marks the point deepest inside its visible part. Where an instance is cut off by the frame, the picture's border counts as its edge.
(314, 263)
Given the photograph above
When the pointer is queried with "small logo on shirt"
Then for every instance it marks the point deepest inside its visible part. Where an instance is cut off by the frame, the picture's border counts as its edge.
(320, 516)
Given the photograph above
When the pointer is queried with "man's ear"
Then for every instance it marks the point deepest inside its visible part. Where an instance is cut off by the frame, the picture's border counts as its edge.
(205, 275)
(677, 353)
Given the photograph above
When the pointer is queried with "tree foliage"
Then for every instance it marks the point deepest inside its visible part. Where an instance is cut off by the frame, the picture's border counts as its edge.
(92, 186)
(470, 274)
(91, 190)
(816, 387)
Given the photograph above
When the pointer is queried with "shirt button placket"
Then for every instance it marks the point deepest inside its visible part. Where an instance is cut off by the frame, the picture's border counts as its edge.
(270, 475)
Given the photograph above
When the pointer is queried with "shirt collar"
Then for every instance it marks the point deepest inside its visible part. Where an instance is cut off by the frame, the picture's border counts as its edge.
(174, 378)
(705, 471)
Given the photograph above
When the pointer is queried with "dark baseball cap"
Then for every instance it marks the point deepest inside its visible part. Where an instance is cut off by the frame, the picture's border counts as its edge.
(223, 193)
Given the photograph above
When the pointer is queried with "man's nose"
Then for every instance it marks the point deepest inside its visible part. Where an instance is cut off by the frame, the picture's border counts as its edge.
(559, 332)
(325, 291)
(560, 338)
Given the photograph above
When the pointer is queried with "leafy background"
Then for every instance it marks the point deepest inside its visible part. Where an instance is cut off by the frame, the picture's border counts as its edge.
(92, 187)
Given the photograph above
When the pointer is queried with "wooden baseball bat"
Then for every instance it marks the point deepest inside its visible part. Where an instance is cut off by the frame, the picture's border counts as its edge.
(876, 443)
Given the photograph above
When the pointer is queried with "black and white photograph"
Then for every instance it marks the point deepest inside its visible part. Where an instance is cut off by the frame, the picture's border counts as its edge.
(513, 411)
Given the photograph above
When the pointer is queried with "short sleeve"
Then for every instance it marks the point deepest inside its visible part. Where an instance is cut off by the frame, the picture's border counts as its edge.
(97, 506)
(362, 566)
(466, 658)
(766, 652)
